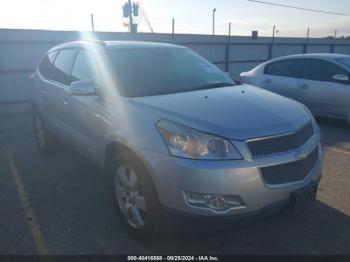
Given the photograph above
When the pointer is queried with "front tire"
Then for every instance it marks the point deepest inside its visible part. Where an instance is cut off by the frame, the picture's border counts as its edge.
(136, 197)
(44, 140)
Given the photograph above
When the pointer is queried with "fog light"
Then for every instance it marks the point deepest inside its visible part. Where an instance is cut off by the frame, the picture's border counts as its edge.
(195, 198)
(214, 202)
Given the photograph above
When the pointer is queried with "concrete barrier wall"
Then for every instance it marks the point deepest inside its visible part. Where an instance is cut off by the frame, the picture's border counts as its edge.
(20, 51)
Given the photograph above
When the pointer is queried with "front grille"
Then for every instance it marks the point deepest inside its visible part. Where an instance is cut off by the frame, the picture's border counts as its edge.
(290, 172)
(281, 143)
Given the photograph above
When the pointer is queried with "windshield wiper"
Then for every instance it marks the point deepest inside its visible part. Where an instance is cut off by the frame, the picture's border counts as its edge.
(212, 85)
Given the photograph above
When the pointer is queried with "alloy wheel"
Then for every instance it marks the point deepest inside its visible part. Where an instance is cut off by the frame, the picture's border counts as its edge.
(39, 131)
(130, 200)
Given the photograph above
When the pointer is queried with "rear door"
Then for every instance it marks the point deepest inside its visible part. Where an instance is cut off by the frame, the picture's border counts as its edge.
(41, 87)
(281, 77)
(57, 81)
(319, 91)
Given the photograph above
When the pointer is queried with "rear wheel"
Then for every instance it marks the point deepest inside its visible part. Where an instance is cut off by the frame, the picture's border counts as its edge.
(136, 198)
(44, 139)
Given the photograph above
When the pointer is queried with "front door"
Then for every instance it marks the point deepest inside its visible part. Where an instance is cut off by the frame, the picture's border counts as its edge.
(320, 92)
(87, 121)
(281, 77)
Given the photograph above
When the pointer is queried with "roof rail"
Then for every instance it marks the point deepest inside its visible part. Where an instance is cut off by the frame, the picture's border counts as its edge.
(93, 40)
(164, 41)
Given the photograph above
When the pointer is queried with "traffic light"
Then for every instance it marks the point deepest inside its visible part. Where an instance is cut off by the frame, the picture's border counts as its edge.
(135, 8)
(126, 10)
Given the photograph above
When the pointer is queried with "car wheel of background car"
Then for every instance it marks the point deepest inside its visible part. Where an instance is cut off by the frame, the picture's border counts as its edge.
(136, 198)
(44, 139)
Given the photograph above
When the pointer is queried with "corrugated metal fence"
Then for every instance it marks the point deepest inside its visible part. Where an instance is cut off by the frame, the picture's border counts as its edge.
(20, 51)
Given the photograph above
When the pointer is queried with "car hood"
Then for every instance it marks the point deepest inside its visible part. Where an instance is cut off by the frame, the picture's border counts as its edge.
(235, 112)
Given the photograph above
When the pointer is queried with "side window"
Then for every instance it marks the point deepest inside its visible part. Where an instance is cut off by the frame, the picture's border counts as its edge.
(62, 65)
(320, 70)
(286, 68)
(46, 65)
(83, 67)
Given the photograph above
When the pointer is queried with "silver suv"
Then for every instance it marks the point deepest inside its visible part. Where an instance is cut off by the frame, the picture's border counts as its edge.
(180, 138)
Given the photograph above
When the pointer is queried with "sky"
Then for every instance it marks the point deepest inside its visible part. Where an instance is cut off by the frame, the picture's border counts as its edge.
(191, 16)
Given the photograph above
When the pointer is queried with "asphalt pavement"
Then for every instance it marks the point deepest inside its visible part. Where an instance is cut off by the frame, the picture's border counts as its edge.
(62, 204)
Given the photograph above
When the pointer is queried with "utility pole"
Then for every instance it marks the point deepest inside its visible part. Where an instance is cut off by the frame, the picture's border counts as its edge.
(335, 39)
(92, 22)
(229, 31)
(129, 11)
(130, 17)
(272, 42)
(173, 27)
(227, 49)
(214, 10)
(307, 41)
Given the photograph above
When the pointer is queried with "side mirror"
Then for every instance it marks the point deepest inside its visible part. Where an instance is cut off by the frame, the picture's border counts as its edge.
(82, 88)
(341, 78)
(229, 75)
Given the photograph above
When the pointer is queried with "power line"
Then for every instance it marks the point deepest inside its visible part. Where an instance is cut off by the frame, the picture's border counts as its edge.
(299, 8)
(146, 18)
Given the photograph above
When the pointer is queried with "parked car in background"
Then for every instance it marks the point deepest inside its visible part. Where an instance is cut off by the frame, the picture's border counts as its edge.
(320, 81)
(180, 139)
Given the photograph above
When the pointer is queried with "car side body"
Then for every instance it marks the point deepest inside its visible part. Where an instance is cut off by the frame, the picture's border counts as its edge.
(320, 81)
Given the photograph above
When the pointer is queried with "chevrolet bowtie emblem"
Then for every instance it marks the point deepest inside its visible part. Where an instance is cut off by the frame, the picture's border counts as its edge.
(302, 154)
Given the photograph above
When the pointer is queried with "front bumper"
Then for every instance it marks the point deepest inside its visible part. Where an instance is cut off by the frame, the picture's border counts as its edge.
(173, 176)
(180, 222)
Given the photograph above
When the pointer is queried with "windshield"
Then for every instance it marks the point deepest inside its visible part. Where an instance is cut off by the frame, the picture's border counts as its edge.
(156, 71)
(345, 61)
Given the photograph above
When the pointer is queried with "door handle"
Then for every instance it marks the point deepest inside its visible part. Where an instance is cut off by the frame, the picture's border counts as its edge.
(304, 86)
(97, 115)
(64, 101)
(268, 81)
(43, 91)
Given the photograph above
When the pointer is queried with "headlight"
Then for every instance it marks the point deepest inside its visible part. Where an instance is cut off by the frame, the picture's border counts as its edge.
(309, 112)
(314, 123)
(186, 142)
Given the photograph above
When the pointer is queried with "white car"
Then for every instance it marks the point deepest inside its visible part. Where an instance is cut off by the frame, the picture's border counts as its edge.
(320, 81)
